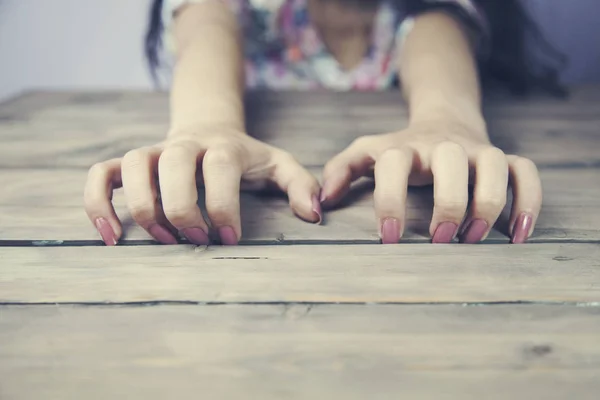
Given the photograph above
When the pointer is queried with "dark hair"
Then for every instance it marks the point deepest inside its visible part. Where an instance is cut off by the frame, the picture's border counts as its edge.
(512, 34)
(153, 42)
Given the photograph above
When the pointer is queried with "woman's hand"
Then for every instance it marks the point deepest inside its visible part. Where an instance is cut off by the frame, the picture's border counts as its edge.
(160, 184)
(450, 156)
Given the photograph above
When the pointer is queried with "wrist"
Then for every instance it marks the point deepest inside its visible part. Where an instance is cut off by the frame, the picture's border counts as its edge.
(207, 128)
(463, 114)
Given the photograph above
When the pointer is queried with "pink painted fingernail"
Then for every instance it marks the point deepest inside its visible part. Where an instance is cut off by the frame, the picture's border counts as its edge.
(108, 235)
(444, 232)
(316, 207)
(521, 229)
(324, 192)
(196, 236)
(162, 235)
(228, 236)
(474, 232)
(390, 231)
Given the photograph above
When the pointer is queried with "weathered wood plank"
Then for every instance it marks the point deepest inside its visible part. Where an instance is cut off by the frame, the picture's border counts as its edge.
(353, 273)
(275, 352)
(47, 205)
(78, 129)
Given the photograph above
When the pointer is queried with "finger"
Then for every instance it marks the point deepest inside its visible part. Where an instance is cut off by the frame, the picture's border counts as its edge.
(339, 173)
(222, 170)
(450, 168)
(177, 176)
(301, 187)
(139, 184)
(489, 196)
(102, 179)
(527, 198)
(392, 169)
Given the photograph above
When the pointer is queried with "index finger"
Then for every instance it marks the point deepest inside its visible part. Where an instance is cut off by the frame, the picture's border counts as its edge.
(102, 179)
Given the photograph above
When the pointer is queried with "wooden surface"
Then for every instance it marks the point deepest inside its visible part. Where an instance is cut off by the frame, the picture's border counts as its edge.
(300, 352)
(299, 311)
(317, 273)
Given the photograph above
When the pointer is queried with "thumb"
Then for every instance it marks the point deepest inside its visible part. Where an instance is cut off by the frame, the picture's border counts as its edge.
(301, 186)
(343, 169)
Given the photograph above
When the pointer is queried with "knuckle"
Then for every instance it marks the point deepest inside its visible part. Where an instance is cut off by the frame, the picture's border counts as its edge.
(173, 155)
(395, 154)
(362, 142)
(493, 153)
(450, 147)
(221, 156)
(135, 158)
(524, 163)
(98, 170)
(286, 157)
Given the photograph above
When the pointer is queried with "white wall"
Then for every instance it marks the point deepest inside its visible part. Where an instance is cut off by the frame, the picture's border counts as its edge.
(72, 44)
(98, 43)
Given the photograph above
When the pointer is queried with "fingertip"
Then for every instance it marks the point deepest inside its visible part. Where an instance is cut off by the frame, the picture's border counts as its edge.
(316, 208)
(390, 231)
(109, 237)
(228, 236)
(522, 228)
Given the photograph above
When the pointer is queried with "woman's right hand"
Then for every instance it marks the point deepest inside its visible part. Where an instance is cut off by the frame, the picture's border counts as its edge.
(160, 184)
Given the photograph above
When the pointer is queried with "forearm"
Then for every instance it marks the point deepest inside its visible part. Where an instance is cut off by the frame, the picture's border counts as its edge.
(208, 80)
(438, 73)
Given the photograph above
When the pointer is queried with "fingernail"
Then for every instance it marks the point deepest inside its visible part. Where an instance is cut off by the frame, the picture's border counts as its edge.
(522, 228)
(228, 236)
(324, 190)
(322, 196)
(390, 231)
(196, 236)
(316, 207)
(444, 232)
(474, 232)
(108, 235)
(329, 184)
(162, 235)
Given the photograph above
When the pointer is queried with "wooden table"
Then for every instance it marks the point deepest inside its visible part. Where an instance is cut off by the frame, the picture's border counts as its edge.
(298, 311)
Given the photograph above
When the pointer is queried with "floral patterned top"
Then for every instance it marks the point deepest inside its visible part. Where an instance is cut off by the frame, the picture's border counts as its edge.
(283, 50)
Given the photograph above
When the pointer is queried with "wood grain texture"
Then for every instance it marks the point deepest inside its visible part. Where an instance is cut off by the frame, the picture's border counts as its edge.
(40, 204)
(325, 273)
(79, 129)
(298, 352)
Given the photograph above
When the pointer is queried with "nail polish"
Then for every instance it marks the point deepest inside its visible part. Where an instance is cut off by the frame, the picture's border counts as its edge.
(322, 196)
(444, 232)
(108, 235)
(521, 228)
(474, 232)
(162, 235)
(196, 236)
(228, 236)
(316, 208)
(390, 231)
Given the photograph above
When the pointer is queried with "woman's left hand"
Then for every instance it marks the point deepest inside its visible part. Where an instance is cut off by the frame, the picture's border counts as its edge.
(450, 156)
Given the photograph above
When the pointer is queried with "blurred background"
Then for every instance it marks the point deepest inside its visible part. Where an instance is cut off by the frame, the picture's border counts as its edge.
(97, 44)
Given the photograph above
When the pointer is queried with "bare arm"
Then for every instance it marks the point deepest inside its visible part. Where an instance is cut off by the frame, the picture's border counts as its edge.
(208, 78)
(438, 72)
(446, 143)
(208, 139)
